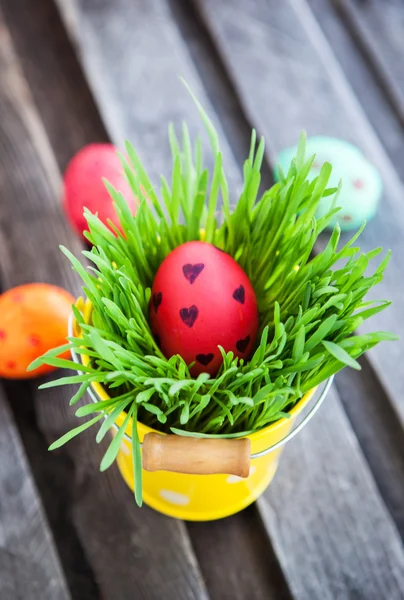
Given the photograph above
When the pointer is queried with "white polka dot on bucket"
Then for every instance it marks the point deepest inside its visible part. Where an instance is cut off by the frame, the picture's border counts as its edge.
(236, 479)
(175, 497)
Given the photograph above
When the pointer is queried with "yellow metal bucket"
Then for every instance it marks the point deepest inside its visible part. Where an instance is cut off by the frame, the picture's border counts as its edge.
(208, 497)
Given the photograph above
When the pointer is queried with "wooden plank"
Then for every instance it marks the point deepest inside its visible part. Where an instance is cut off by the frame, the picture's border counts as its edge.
(375, 528)
(377, 27)
(29, 565)
(281, 65)
(50, 77)
(361, 77)
(151, 71)
(339, 546)
(55, 478)
(237, 559)
(379, 434)
(123, 544)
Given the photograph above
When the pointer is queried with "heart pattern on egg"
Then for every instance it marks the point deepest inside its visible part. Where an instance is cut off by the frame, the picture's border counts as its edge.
(241, 345)
(239, 294)
(157, 300)
(189, 315)
(205, 359)
(191, 272)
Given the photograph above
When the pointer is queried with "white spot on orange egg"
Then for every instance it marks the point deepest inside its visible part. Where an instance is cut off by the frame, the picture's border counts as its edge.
(34, 340)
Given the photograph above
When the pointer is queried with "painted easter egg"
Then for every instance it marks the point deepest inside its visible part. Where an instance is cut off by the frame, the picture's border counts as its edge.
(33, 319)
(361, 182)
(201, 298)
(84, 188)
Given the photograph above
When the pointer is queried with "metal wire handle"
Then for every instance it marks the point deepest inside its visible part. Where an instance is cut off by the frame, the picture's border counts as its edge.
(302, 423)
(281, 442)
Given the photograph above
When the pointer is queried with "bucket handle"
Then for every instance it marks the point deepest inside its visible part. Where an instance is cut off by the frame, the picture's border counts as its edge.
(196, 456)
(302, 423)
(203, 456)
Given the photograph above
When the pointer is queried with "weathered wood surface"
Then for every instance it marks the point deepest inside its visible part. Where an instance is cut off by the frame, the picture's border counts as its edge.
(347, 464)
(29, 565)
(330, 530)
(361, 76)
(148, 84)
(102, 508)
(379, 433)
(237, 559)
(378, 28)
(57, 84)
(288, 80)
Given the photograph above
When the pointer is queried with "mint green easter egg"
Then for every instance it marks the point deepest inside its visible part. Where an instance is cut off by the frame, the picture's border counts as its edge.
(361, 182)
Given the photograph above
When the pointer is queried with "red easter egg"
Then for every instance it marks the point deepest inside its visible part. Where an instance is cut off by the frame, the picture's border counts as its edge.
(201, 298)
(83, 185)
(33, 319)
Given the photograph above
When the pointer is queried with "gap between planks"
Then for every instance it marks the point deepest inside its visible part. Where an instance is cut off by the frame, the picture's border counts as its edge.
(367, 87)
(29, 565)
(377, 28)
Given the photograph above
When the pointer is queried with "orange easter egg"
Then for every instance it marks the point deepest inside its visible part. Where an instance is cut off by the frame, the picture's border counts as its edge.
(33, 319)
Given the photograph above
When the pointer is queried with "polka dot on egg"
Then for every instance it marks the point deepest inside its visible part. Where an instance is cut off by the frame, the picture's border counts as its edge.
(358, 184)
(3, 334)
(17, 298)
(34, 340)
(11, 364)
(174, 497)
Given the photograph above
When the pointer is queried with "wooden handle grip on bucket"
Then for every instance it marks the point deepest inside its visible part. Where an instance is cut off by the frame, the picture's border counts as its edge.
(196, 456)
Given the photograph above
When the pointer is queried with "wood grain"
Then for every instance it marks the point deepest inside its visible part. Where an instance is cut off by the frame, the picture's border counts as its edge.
(123, 544)
(280, 53)
(378, 28)
(348, 463)
(55, 478)
(379, 434)
(342, 545)
(56, 81)
(237, 559)
(146, 82)
(29, 565)
(360, 74)
(196, 456)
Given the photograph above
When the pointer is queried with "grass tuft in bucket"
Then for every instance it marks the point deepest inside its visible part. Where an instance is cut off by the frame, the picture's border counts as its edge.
(307, 308)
